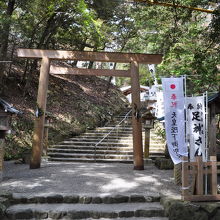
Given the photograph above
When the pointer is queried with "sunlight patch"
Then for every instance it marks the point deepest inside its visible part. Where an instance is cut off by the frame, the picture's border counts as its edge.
(23, 184)
(119, 185)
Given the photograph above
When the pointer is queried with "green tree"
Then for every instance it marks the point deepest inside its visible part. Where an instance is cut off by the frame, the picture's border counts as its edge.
(182, 36)
(7, 9)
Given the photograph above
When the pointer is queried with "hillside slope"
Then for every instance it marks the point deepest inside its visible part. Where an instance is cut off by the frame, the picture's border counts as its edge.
(75, 103)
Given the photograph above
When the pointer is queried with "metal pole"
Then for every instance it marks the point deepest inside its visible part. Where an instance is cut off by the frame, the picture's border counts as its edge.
(185, 97)
(206, 138)
(206, 125)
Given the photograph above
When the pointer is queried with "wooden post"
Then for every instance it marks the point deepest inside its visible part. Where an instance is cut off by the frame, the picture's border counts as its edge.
(41, 108)
(46, 132)
(214, 175)
(2, 146)
(177, 173)
(212, 131)
(147, 143)
(136, 118)
(185, 180)
(199, 179)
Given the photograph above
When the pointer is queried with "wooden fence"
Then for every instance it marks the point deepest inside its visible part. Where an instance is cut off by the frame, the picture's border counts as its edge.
(199, 179)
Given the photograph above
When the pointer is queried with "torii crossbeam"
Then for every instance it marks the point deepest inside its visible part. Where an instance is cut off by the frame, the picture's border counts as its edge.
(47, 55)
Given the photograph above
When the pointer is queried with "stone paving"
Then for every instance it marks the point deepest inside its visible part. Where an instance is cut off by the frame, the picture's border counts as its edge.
(91, 179)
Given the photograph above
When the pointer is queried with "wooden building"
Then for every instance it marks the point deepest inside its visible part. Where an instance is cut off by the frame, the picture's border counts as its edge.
(214, 110)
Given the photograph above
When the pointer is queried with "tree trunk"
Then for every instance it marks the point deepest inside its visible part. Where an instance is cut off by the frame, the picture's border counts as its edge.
(4, 36)
(49, 30)
(110, 79)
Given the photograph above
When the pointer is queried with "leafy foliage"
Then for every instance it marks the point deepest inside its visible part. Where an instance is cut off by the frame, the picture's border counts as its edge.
(189, 40)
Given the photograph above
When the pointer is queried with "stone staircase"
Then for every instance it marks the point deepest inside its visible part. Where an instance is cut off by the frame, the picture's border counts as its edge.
(66, 206)
(116, 147)
(157, 144)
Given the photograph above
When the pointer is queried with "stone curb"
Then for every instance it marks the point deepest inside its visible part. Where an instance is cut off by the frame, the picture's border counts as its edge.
(30, 214)
(57, 198)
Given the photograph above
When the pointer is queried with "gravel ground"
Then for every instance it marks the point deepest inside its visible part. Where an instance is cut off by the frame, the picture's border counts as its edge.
(87, 179)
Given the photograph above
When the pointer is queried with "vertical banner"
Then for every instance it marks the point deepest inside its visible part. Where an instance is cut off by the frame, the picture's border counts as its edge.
(174, 99)
(159, 104)
(195, 107)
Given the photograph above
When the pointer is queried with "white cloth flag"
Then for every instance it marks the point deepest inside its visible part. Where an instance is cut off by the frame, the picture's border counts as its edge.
(195, 107)
(159, 105)
(174, 117)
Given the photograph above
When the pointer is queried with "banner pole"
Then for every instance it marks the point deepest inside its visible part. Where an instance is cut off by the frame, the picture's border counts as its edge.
(206, 125)
(206, 158)
(185, 115)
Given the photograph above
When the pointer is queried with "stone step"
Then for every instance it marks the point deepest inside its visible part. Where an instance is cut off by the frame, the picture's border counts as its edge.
(92, 148)
(102, 131)
(99, 148)
(94, 143)
(126, 128)
(123, 116)
(89, 156)
(88, 160)
(98, 160)
(157, 149)
(26, 198)
(155, 143)
(154, 156)
(117, 146)
(99, 137)
(84, 211)
(114, 140)
(157, 139)
(154, 135)
(127, 124)
(135, 218)
(86, 151)
(114, 134)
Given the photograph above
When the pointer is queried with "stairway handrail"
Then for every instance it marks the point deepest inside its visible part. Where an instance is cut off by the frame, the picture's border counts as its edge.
(125, 117)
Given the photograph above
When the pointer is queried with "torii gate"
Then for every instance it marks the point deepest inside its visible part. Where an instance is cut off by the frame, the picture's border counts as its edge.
(47, 55)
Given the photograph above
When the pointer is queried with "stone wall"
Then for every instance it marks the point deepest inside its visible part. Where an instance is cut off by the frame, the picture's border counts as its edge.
(182, 210)
(4, 203)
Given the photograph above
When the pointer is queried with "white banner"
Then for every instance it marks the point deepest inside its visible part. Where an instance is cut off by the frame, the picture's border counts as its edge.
(159, 105)
(195, 107)
(174, 117)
